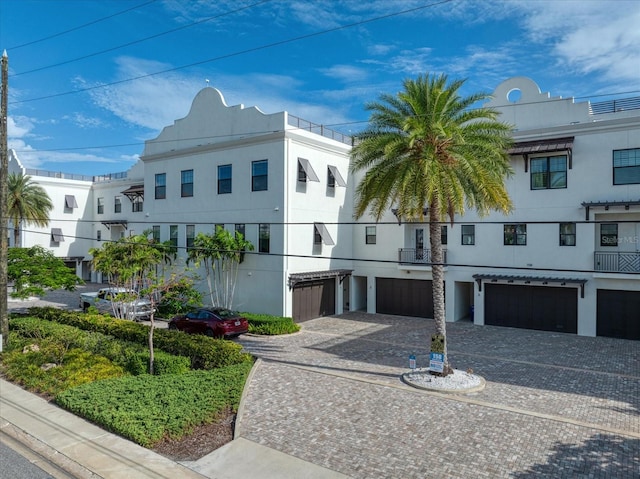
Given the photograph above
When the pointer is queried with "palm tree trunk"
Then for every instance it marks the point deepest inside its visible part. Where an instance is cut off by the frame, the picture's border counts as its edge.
(437, 272)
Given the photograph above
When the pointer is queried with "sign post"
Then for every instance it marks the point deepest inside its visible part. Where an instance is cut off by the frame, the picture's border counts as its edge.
(436, 356)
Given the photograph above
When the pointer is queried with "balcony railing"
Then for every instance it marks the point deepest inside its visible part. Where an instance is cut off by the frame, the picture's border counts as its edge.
(417, 256)
(617, 262)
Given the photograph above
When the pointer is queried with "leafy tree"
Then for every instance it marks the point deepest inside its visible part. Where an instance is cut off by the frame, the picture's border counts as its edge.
(426, 146)
(33, 271)
(134, 263)
(221, 254)
(27, 203)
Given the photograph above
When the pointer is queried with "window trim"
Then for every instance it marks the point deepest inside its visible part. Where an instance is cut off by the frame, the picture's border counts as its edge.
(516, 236)
(160, 190)
(548, 172)
(471, 235)
(636, 159)
(255, 179)
(222, 182)
(370, 238)
(101, 205)
(117, 204)
(184, 186)
(564, 236)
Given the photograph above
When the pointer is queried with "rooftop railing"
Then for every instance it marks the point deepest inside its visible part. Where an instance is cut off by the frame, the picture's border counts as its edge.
(318, 129)
(73, 176)
(612, 106)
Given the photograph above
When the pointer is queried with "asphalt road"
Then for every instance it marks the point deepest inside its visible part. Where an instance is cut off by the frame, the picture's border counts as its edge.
(19, 462)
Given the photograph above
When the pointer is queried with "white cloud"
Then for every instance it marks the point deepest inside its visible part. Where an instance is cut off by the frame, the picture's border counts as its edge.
(19, 126)
(346, 73)
(83, 121)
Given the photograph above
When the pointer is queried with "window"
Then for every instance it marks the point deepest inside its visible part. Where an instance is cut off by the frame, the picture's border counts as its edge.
(137, 204)
(468, 234)
(567, 234)
(186, 183)
(321, 234)
(264, 235)
(549, 172)
(191, 235)
(155, 233)
(224, 179)
(99, 235)
(239, 229)
(515, 235)
(626, 166)
(161, 186)
(305, 171)
(370, 235)
(100, 206)
(334, 177)
(259, 175)
(443, 234)
(70, 201)
(173, 237)
(609, 234)
(56, 235)
(117, 204)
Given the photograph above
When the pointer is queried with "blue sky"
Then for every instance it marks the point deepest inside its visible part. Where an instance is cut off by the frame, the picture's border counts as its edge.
(141, 62)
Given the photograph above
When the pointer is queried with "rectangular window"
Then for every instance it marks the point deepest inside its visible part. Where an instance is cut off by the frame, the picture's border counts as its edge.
(306, 171)
(549, 172)
(626, 166)
(259, 175)
(334, 178)
(609, 234)
(100, 206)
(370, 235)
(137, 204)
(567, 234)
(161, 186)
(239, 229)
(443, 234)
(515, 235)
(99, 235)
(70, 201)
(468, 234)
(173, 237)
(224, 179)
(117, 204)
(186, 183)
(264, 237)
(155, 232)
(191, 235)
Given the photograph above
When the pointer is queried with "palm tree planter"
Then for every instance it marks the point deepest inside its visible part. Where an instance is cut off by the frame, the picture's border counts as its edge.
(426, 146)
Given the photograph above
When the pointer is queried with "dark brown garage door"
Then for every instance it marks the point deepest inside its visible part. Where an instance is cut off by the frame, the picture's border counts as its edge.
(312, 299)
(404, 297)
(618, 314)
(531, 307)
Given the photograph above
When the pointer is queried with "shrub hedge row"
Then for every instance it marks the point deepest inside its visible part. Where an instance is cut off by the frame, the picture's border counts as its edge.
(270, 325)
(203, 352)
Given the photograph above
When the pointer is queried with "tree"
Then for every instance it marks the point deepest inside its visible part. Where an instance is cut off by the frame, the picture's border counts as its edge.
(133, 263)
(33, 271)
(221, 254)
(27, 203)
(426, 147)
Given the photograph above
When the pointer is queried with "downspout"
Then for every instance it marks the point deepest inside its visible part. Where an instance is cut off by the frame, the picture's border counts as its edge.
(288, 311)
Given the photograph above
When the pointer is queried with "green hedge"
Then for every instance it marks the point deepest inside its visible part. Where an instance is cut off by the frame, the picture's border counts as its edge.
(270, 325)
(133, 357)
(202, 351)
(147, 409)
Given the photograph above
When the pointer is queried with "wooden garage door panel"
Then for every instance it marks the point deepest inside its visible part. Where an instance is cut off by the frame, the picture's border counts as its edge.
(313, 299)
(404, 297)
(618, 314)
(532, 307)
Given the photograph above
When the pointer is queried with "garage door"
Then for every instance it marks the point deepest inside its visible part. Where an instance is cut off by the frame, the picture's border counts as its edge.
(312, 299)
(618, 314)
(531, 307)
(404, 297)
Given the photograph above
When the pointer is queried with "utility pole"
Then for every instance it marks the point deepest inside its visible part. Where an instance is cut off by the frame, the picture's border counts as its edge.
(4, 194)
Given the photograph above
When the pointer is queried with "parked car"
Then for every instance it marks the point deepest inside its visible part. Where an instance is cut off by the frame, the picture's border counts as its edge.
(119, 302)
(214, 322)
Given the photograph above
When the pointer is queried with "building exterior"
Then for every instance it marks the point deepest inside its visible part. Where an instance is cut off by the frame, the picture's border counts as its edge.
(566, 259)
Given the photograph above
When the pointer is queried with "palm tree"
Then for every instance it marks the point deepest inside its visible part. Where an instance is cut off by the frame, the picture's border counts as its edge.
(27, 203)
(426, 146)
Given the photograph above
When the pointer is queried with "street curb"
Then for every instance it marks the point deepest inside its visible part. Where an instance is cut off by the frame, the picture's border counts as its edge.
(243, 397)
(65, 463)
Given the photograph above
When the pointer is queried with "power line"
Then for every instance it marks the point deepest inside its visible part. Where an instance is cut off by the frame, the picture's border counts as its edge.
(238, 53)
(118, 47)
(79, 27)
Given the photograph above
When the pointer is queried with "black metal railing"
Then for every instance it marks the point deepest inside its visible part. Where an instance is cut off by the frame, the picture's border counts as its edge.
(617, 262)
(417, 256)
(612, 106)
(318, 129)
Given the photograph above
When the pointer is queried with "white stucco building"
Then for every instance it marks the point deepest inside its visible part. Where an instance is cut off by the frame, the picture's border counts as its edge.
(566, 259)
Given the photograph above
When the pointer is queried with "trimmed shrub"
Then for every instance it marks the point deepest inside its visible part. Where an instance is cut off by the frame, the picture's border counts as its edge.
(270, 325)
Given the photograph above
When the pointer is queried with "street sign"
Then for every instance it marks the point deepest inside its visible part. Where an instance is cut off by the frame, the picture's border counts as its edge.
(436, 362)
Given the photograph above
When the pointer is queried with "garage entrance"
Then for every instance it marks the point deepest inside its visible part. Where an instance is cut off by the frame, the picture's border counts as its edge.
(618, 314)
(543, 308)
(312, 299)
(404, 297)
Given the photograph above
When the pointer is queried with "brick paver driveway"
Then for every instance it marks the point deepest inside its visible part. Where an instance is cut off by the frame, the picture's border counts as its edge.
(555, 405)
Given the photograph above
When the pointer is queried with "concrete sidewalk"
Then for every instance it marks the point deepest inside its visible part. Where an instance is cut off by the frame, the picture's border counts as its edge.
(87, 451)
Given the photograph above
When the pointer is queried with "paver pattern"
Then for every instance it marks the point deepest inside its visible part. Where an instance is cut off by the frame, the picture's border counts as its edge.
(555, 405)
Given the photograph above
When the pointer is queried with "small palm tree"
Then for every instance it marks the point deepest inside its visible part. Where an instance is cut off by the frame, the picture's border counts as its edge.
(426, 146)
(27, 203)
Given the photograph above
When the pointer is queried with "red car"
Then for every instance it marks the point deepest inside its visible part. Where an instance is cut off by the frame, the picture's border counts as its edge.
(214, 322)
